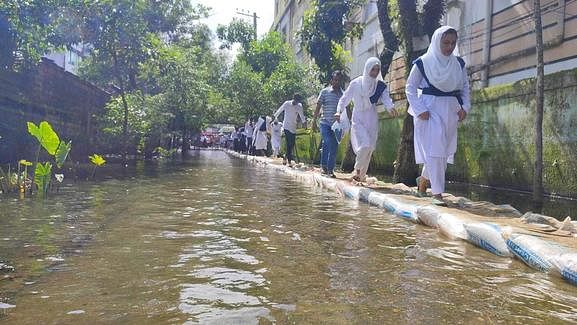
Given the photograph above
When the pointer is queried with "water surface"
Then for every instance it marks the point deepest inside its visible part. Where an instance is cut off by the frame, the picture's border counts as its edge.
(215, 240)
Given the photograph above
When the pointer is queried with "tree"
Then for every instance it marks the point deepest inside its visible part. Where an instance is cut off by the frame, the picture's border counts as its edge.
(326, 25)
(411, 23)
(123, 34)
(29, 29)
(237, 31)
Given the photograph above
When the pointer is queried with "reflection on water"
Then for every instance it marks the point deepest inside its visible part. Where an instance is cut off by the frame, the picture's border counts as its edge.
(217, 241)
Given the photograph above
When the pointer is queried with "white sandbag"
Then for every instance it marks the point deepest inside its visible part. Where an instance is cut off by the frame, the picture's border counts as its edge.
(377, 199)
(566, 266)
(428, 216)
(382, 201)
(405, 210)
(318, 179)
(535, 252)
(487, 236)
(329, 183)
(451, 226)
(349, 191)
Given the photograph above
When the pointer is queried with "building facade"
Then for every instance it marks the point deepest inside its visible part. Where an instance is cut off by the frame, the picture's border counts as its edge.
(496, 38)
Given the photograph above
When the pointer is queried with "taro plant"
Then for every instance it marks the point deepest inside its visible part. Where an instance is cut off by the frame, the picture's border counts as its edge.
(23, 177)
(97, 161)
(59, 150)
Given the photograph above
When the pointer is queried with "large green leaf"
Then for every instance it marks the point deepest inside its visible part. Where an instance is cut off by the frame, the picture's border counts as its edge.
(45, 135)
(42, 175)
(62, 153)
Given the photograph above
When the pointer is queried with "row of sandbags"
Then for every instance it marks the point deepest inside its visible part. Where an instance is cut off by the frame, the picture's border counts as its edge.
(539, 254)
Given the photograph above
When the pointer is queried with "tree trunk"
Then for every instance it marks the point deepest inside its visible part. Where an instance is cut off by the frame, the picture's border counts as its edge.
(405, 168)
(539, 99)
(389, 37)
(125, 109)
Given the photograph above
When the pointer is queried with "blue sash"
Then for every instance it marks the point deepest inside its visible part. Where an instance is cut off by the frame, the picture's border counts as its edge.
(434, 91)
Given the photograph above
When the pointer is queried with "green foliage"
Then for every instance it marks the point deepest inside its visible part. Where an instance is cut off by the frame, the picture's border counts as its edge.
(266, 54)
(62, 153)
(42, 175)
(49, 140)
(45, 135)
(28, 29)
(237, 31)
(325, 25)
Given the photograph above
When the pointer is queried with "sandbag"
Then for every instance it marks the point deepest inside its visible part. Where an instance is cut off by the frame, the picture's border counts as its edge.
(451, 226)
(566, 266)
(428, 216)
(533, 251)
(404, 210)
(487, 236)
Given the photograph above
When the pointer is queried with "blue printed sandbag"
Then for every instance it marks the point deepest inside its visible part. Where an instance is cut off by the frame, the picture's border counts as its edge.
(487, 236)
(533, 251)
(566, 266)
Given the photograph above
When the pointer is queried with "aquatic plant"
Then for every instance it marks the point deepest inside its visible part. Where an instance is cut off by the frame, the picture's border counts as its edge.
(97, 161)
(59, 150)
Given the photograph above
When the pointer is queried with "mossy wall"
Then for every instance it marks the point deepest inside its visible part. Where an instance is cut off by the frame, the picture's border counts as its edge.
(496, 142)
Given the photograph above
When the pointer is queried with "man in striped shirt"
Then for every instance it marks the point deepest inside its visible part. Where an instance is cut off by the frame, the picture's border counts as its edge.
(328, 100)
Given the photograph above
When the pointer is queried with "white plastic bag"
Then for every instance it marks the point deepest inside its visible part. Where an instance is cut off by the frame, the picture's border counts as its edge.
(340, 128)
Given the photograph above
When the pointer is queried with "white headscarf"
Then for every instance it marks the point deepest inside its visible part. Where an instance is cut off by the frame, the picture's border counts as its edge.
(368, 83)
(443, 72)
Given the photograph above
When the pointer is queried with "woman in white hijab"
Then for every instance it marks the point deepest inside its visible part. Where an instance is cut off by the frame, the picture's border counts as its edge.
(365, 92)
(442, 102)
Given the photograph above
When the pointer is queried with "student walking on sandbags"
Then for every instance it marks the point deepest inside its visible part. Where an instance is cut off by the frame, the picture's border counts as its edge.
(443, 102)
(327, 104)
(365, 92)
(292, 109)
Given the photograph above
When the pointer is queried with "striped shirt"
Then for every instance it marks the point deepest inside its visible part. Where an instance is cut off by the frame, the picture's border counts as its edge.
(329, 98)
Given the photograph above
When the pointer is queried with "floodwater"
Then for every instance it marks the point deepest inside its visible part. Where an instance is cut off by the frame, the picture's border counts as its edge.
(214, 240)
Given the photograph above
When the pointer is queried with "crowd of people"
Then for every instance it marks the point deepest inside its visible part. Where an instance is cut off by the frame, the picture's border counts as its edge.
(437, 90)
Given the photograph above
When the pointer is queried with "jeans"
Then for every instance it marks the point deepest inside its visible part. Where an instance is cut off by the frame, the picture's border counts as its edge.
(329, 148)
(290, 144)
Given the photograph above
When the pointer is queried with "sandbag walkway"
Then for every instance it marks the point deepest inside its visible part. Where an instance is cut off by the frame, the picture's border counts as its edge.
(543, 243)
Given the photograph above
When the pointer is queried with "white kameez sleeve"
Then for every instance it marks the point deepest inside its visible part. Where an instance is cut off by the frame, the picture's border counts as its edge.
(386, 100)
(411, 88)
(465, 92)
(279, 110)
(346, 98)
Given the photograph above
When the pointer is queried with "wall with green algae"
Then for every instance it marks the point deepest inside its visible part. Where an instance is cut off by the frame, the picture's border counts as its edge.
(496, 141)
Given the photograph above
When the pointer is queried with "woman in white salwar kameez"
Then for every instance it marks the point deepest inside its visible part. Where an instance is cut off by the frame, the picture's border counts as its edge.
(437, 108)
(365, 92)
(260, 139)
(275, 137)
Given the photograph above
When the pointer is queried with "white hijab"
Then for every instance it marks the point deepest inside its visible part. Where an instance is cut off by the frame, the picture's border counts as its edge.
(368, 83)
(443, 72)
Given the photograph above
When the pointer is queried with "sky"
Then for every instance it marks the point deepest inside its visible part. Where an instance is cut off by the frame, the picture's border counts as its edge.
(224, 10)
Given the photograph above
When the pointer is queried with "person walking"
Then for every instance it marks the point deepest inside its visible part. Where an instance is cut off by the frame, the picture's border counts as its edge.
(327, 101)
(443, 102)
(275, 137)
(260, 139)
(365, 92)
(248, 131)
(292, 110)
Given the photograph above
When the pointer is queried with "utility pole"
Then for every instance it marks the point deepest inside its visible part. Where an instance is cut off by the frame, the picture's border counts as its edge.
(254, 18)
(539, 100)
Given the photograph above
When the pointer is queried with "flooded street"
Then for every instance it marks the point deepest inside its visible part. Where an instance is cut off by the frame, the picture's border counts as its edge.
(214, 240)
